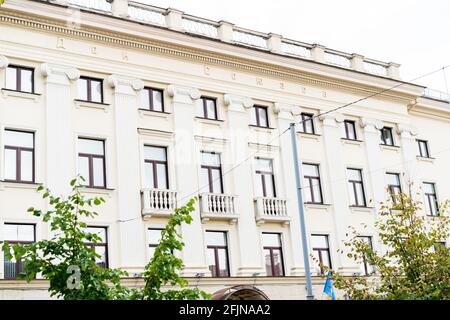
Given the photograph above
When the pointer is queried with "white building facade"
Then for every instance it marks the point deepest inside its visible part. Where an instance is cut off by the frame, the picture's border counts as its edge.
(153, 107)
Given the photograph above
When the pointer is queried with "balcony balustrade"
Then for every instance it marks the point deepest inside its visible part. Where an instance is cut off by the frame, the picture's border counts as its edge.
(216, 206)
(156, 202)
(271, 210)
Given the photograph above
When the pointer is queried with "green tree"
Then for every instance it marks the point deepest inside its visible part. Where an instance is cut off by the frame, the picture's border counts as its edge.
(164, 267)
(65, 259)
(414, 263)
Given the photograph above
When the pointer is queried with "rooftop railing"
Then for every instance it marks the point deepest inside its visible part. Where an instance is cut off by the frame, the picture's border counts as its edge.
(101, 5)
(140, 12)
(436, 95)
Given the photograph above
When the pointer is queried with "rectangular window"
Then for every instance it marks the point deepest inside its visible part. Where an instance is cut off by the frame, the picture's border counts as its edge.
(350, 130)
(273, 254)
(19, 156)
(91, 162)
(311, 183)
(356, 187)
(90, 89)
(365, 267)
(156, 171)
(387, 137)
(154, 236)
(101, 247)
(152, 99)
(207, 108)
(211, 172)
(260, 116)
(217, 253)
(265, 178)
(431, 202)
(307, 123)
(17, 234)
(321, 251)
(423, 148)
(394, 186)
(20, 79)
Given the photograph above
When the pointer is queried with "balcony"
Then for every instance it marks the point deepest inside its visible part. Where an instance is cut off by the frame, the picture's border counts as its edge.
(216, 206)
(156, 202)
(271, 210)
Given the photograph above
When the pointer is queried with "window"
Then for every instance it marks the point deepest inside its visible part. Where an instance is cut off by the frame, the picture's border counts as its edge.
(307, 123)
(260, 116)
(20, 79)
(217, 252)
(152, 99)
(387, 137)
(101, 247)
(90, 89)
(264, 178)
(154, 236)
(394, 187)
(365, 267)
(156, 172)
(356, 188)
(431, 204)
(17, 234)
(273, 254)
(207, 108)
(311, 183)
(350, 130)
(19, 156)
(321, 251)
(91, 162)
(211, 172)
(423, 148)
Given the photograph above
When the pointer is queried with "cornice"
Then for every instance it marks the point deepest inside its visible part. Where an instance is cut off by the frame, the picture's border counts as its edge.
(12, 17)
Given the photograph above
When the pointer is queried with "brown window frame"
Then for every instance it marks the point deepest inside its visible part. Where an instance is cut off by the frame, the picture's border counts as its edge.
(383, 138)
(427, 149)
(311, 179)
(256, 109)
(101, 244)
(271, 249)
(365, 263)
(150, 99)
(305, 116)
(154, 245)
(428, 197)
(19, 78)
(352, 123)
(154, 164)
(18, 151)
(320, 250)
(210, 169)
(205, 114)
(393, 187)
(361, 182)
(216, 248)
(89, 89)
(91, 157)
(18, 262)
(263, 179)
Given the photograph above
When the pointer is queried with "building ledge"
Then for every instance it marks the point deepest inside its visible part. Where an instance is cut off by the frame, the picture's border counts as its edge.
(6, 93)
(352, 142)
(149, 113)
(425, 159)
(19, 185)
(91, 105)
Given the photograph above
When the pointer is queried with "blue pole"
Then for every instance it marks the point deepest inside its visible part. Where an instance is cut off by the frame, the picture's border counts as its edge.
(301, 213)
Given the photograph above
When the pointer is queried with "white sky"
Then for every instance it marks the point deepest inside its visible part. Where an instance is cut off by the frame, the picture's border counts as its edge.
(414, 33)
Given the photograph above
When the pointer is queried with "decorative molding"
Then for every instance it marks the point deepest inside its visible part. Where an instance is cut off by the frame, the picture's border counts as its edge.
(155, 133)
(406, 130)
(8, 16)
(236, 102)
(371, 124)
(55, 73)
(183, 94)
(211, 140)
(263, 147)
(331, 118)
(125, 85)
(4, 62)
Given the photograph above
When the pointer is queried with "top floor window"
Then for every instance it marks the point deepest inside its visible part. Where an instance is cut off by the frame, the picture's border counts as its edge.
(387, 137)
(19, 156)
(424, 151)
(91, 162)
(155, 163)
(90, 89)
(307, 123)
(265, 177)
(152, 99)
(17, 234)
(260, 116)
(431, 202)
(350, 130)
(20, 79)
(207, 108)
(211, 172)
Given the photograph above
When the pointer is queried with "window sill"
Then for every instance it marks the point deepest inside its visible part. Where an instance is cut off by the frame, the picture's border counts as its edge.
(312, 136)
(352, 141)
(261, 129)
(92, 105)
(320, 206)
(21, 94)
(389, 147)
(97, 191)
(214, 122)
(361, 209)
(18, 185)
(152, 113)
(425, 159)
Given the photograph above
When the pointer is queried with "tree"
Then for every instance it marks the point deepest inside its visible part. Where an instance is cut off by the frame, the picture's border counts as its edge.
(66, 260)
(163, 269)
(414, 264)
(1, 2)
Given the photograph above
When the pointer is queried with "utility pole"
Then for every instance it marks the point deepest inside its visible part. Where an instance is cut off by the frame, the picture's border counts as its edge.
(301, 213)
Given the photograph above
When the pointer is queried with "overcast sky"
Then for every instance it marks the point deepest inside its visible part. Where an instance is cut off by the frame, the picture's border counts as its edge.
(414, 33)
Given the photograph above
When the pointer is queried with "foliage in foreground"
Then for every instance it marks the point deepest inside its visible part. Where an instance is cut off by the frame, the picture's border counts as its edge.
(414, 263)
